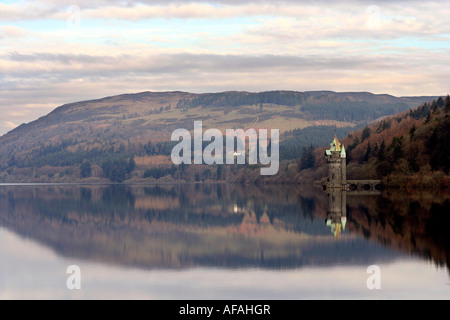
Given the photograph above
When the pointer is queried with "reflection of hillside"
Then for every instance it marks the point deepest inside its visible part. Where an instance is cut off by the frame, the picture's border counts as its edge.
(415, 223)
(186, 226)
(157, 203)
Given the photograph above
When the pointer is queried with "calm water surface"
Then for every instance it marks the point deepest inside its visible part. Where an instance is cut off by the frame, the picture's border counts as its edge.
(221, 242)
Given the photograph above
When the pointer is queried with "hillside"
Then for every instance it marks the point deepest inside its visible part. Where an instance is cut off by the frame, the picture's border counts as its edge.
(127, 137)
(409, 149)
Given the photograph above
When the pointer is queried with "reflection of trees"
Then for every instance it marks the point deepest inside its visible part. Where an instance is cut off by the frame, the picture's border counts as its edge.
(415, 223)
(437, 227)
(177, 226)
(227, 225)
(118, 196)
(308, 206)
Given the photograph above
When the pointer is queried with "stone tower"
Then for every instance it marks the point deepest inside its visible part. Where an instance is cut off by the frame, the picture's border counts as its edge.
(336, 158)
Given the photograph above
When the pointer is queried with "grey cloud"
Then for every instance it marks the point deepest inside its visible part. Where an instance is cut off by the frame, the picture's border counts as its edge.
(59, 58)
(130, 3)
(44, 9)
(186, 68)
(264, 62)
(29, 11)
(179, 63)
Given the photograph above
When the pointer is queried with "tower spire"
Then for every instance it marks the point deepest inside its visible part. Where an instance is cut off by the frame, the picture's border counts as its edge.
(337, 143)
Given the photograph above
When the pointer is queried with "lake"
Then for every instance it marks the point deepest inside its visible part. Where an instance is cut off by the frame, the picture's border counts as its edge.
(222, 242)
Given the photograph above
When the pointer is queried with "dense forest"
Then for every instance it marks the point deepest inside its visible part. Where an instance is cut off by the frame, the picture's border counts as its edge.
(352, 110)
(409, 149)
(313, 106)
(236, 99)
(117, 161)
(295, 142)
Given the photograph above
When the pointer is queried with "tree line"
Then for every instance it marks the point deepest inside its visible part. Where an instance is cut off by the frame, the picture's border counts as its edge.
(236, 99)
(408, 143)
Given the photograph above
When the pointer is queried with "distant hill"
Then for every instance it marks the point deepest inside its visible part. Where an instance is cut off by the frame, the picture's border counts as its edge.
(128, 136)
(410, 149)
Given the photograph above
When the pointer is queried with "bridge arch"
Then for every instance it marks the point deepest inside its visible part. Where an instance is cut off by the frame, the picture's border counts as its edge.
(364, 185)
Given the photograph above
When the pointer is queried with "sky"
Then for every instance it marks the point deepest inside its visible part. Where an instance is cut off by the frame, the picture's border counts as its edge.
(54, 52)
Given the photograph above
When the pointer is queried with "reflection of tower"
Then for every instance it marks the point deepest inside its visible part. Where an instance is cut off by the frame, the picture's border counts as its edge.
(337, 211)
(336, 158)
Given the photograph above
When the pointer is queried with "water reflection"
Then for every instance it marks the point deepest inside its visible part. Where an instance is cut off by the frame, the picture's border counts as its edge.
(183, 226)
(337, 211)
(415, 223)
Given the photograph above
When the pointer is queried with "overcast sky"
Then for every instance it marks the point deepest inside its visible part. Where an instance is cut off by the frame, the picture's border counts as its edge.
(59, 51)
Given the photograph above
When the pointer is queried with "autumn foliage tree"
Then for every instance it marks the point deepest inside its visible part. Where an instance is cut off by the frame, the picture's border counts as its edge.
(413, 144)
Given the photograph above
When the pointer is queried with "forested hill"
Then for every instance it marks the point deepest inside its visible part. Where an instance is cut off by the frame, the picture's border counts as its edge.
(127, 137)
(408, 149)
(359, 106)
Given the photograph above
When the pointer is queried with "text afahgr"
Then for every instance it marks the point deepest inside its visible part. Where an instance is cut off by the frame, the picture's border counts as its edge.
(233, 309)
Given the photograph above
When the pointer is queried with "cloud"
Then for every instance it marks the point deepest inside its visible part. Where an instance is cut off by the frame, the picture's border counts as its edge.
(70, 67)
(9, 31)
(396, 13)
(62, 78)
(137, 10)
(10, 124)
(58, 58)
(195, 11)
(395, 47)
(30, 10)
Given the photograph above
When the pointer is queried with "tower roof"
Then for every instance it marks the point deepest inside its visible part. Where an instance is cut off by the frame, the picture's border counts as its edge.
(335, 145)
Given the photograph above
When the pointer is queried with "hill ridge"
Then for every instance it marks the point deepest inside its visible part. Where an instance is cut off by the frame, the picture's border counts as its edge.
(121, 127)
